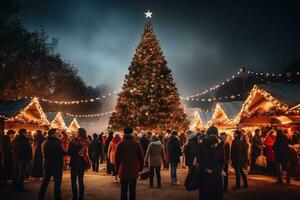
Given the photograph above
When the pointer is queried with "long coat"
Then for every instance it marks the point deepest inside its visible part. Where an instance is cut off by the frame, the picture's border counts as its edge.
(190, 149)
(7, 166)
(281, 149)
(269, 143)
(129, 158)
(112, 150)
(238, 152)
(174, 150)
(155, 153)
(37, 160)
(53, 154)
(257, 147)
(144, 143)
(212, 157)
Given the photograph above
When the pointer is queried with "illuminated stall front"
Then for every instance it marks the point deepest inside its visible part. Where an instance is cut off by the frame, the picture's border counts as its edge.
(72, 124)
(23, 113)
(270, 104)
(225, 113)
(56, 121)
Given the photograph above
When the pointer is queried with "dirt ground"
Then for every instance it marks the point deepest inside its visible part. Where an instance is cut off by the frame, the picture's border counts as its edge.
(100, 186)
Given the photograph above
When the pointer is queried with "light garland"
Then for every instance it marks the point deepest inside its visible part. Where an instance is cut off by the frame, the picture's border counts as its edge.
(213, 99)
(91, 115)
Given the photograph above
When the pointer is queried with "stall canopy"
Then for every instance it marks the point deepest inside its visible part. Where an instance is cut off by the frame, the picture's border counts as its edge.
(72, 124)
(23, 113)
(269, 104)
(56, 121)
(224, 114)
(205, 117)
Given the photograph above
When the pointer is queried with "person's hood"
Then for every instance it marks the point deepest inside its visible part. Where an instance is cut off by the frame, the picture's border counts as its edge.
(158, 142)
(191, 136)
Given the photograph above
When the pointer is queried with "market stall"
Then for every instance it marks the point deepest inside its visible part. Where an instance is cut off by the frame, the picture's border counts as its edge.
(23, 113)
(72, 124)
(56, 121)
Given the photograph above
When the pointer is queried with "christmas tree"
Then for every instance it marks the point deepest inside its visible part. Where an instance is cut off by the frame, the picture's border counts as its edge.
(149, 99)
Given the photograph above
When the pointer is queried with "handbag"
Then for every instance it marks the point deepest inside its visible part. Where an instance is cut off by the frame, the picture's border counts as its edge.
(145, 173)
(261, 161)
(192, 180)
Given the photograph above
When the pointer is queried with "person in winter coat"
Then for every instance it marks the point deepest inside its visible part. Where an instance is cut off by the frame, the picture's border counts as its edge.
(65, 142)
(37, 161)
(190, 149)
(95, 152)
(22, 154)
(109, 168)
(174, 153)
(226, 160)
(6, 166)
(112, 152)
(239, 158)
(145, 141)
(282, 155)
(257, 148)
(155, 154)
(78, 150)
(53, 155)
(269, 151)
(129, 162)
(210, 164)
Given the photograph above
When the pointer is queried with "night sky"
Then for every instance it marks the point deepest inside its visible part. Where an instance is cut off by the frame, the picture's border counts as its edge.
(203, 41)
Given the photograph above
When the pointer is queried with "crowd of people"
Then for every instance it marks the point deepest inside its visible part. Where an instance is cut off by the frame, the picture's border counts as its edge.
(130, 155)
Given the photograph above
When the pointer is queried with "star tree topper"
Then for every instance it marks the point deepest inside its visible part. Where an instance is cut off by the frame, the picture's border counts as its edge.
(148, 14)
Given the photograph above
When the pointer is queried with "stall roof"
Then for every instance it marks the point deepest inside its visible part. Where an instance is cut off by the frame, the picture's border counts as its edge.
(13, 108)
(51, 116)
(286, 93)
(231, 108)
(205, 116)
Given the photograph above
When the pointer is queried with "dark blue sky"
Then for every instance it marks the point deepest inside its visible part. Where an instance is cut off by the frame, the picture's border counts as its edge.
(203, 41)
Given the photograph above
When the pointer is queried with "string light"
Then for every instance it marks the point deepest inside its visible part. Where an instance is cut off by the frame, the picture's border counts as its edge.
(233, 96)
(91, 115)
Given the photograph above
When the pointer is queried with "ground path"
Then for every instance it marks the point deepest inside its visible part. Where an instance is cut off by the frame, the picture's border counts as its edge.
(100, 186)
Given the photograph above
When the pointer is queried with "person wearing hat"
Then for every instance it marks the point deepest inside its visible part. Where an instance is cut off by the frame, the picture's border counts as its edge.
(239, 155)
(129, 162)
(53, 155)
(7, 157)
(22, 154)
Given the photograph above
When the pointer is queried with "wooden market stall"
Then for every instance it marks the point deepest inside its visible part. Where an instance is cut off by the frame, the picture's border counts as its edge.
(225, 113)
(72, 124)
(271, 104)
(57, 121)
(23, 113)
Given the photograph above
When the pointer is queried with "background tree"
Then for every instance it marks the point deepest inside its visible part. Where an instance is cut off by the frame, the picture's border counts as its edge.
(149, 98)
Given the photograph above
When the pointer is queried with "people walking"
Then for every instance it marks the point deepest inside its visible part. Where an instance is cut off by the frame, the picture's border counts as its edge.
(53, 155)
(129, 162)
(145, 141)
(269, 151)
(95, 152)
(226, 161)
(80, 162)
(106, 145)
(282, 156)
(22, 154)
(37, 160)
(154, 158)
(174, 153)
(190, 149)
(112, 153)
(257, 148)
(6, 162)
(239, 158)
(210, 165)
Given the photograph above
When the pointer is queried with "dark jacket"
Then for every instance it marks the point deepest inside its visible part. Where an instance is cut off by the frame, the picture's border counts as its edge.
(190, 150)
(21, 149)
(144, 143)
(257, 146)
(6, 158)
(77, 162)
(53, 154)
(174, 150)
(37, 160)
(95, 149)
(107, 142)
(238, 152)
(212, 158)
(281, 148)
(129, 158)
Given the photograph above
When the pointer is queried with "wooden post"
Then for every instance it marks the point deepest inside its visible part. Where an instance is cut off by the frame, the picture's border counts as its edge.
(1, 125)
